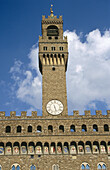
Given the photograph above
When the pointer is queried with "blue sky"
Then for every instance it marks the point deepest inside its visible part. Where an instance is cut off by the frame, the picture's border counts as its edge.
(20, 27)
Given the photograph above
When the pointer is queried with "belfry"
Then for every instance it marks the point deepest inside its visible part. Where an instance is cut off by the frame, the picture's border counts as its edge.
(56, 140)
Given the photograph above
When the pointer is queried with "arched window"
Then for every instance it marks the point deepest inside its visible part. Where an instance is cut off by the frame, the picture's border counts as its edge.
(106, 128)
(85, 166)
(52, 30)
(55, 167)
(32, 167)
(39, 129)
(95, 128)
(50, 128)
(8, 129)
(18, 129)
(61, 128)
(72, 128)
(84, 129)
(102, 166)
(30, 128)
(15, 167)
(18, 167)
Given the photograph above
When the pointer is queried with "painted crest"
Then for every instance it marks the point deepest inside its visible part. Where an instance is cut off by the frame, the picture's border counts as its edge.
(1, 150)
(59, 150)
(72, 149)
(8, 150)
(46, 150)
(15, 150)
(103, 149)
(80, 149)
(52, 150)
(87, 148)
(23, 150)
(65, 150)
(95, 149)
(31, 149)
(38, 150)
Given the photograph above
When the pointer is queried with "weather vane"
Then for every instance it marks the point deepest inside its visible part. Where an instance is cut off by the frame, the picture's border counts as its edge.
(51, 10)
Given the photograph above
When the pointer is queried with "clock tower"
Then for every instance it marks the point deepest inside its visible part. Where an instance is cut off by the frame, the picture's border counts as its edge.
(53, 58)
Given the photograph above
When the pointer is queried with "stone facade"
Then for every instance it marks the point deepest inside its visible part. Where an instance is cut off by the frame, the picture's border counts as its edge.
(54, 142)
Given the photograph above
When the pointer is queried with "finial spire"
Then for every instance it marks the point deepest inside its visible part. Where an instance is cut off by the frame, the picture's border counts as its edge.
(51, 11)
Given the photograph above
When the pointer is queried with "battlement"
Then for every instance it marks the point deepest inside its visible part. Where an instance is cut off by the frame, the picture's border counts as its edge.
(76, 114)
(50, 18)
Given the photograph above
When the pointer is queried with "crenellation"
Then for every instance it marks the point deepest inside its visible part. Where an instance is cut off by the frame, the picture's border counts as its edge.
(87, 113)
(13, 114)
(108, 113)
(23, 114)
(2, 114)
(98, 113)
(34, 114)
(76, 113)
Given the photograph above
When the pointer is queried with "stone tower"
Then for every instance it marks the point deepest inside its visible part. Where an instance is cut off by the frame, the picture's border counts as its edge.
(53, 58)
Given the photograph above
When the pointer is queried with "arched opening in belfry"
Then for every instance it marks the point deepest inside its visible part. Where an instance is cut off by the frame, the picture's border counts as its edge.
(52, 30)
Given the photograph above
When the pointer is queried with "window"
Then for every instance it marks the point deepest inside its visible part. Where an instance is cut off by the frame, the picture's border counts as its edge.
(32, 167)
(84, 129)
(106, 128)
(95, 128)
(15, 167)
(61, 48)
(53, 48)
(8, 129)
(50, 128)
(45, 48)
(85, 166)
(61, 128)
(55, 167)
(39, 129)
(29, 128)
(102, 166)
(49, 38)
(72, 128)
(56, 38)
(18, 129)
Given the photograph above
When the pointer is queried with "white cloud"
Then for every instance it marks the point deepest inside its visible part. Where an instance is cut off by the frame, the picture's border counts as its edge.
(87, 76)
(88, 69)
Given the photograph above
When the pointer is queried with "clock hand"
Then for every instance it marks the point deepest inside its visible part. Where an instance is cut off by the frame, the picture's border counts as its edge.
(54, 107)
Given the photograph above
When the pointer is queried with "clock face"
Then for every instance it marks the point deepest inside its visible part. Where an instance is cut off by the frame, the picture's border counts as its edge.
(54, 107)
